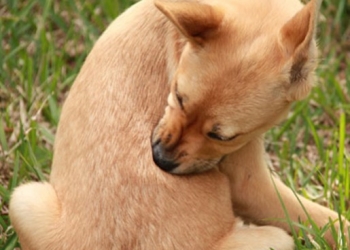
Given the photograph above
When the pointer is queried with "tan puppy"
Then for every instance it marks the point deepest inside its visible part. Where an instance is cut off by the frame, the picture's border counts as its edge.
(236, 78)
(105, 192)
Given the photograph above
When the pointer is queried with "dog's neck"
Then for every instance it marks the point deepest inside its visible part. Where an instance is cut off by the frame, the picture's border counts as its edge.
(242, 167)
(245, 161)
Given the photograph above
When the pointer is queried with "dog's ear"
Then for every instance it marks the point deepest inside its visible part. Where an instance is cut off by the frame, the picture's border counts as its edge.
(297, 39)
(194, 20)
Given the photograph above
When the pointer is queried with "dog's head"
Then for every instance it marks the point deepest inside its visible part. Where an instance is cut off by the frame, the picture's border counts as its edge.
(237, 76)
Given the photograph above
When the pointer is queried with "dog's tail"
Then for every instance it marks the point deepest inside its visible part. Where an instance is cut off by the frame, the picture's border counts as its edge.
(34, 213)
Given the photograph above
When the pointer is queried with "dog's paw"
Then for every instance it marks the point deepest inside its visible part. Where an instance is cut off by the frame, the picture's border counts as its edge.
(245, 237)
(266, 237)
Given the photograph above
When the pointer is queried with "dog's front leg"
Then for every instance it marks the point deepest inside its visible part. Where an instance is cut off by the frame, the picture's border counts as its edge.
(258, 196)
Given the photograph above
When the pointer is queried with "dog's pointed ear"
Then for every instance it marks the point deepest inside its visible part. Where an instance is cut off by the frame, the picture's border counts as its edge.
(194, 20)
(297, 39)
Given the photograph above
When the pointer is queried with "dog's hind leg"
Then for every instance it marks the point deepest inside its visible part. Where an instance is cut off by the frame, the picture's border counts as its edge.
(34, 213)
(252, 237)
(261, 198)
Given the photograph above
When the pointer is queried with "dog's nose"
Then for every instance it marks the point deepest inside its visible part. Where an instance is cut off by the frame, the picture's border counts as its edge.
(160, 159)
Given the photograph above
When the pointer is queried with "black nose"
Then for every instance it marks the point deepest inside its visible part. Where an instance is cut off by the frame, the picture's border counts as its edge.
(160, 159)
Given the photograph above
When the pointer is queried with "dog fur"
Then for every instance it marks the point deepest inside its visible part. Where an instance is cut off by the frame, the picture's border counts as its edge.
(105, 191)
(237, 99)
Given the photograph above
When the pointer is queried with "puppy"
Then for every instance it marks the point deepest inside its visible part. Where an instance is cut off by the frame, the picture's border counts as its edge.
(105, 191)
(236, 78)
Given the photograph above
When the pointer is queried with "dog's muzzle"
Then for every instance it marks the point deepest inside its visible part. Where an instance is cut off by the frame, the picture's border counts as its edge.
(160, 158)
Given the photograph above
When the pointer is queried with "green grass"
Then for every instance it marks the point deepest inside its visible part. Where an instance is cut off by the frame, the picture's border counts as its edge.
(44, 44)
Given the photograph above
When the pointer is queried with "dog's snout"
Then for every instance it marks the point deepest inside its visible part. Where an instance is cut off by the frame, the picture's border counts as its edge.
(161, 160)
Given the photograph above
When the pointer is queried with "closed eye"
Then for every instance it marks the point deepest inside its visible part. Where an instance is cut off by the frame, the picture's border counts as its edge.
(218, 137)
(179, 99)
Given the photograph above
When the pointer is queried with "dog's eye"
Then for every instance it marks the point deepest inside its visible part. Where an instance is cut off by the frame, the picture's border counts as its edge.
(180, 100)
(218, 137)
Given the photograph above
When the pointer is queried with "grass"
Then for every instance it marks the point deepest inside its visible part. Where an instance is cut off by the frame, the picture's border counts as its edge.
(44, 44)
